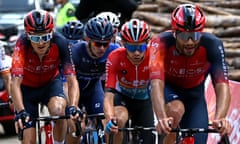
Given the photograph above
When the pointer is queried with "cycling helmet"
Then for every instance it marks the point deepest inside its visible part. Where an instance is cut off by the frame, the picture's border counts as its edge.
(135, 31)
(38, 21)
(110, 16)
(73, 30)
(99, 29)
(188, 17)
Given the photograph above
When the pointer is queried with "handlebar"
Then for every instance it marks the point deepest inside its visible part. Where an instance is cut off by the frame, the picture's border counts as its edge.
(194, 130)
(138, 128)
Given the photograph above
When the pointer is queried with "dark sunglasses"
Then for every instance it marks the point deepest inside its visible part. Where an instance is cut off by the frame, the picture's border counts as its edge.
(185, 36)
(36, 38)
(136, 47)
(99, 44)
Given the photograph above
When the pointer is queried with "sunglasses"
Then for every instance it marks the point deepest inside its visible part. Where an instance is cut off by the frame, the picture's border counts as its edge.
(136, 47)
(99, 44)
(185, 36)
(37, 38)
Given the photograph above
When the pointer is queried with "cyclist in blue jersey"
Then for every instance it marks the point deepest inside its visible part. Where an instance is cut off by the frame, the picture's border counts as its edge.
(73, 31)
(114, 19)
(89, 57)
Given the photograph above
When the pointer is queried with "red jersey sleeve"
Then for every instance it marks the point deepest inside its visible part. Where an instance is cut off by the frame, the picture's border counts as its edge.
(18, 59)
(157, 57)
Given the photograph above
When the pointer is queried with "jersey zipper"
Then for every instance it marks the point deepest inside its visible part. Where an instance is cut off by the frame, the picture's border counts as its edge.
(136, 72)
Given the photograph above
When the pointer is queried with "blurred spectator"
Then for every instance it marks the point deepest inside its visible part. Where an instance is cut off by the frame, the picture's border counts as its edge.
(89, 8)
(65, 13)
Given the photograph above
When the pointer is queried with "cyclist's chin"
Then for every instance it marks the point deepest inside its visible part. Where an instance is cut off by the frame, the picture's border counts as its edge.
(189, 52)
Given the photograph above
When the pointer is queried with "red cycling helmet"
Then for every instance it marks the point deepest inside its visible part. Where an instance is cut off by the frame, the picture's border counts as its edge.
(135, 31)
(188, 17)
(38, 21)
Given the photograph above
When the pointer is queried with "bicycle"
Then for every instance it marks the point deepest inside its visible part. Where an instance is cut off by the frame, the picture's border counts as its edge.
(133, 137)
(47, 128)
(94, 132)
(186, 136)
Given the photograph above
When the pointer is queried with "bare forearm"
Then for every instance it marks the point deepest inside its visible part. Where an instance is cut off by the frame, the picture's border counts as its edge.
(17, 97)
(108, 106)
(223, 99)
(157, 96)
(7, 81)
(73, 91)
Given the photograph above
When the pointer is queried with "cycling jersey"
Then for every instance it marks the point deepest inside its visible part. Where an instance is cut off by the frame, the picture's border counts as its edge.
(88, 68)
(38, 73)
(5, 64)
(130, 80)
(183, 71)
(89, 71)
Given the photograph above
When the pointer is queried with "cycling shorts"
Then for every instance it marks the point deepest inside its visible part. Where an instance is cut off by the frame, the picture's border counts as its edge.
(91, 92)
(33, 96)
(196, 114)
(140, 112)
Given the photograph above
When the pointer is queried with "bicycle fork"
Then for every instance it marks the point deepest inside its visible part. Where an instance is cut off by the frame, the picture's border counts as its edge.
(48, 128)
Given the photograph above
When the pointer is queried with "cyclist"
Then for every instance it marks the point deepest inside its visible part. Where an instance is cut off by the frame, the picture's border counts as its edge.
(65, 13)
(89, 58)
(180, 61)
(5, 67)
(127, 82)
(114, 19)
(35, 76)
(73, 31)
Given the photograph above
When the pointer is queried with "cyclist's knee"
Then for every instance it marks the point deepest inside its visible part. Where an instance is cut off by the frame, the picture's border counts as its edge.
(176, 110)
(57, 106)
(122, 115)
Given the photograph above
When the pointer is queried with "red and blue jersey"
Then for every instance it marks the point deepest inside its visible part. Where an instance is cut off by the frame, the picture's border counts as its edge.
(129, 79)
(36, 72)
(187, 71)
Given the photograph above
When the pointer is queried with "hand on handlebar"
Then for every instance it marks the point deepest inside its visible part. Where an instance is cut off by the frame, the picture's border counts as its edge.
(21, 119)
(111, 126)
(75, 112)
(222, 126)
(164, 125)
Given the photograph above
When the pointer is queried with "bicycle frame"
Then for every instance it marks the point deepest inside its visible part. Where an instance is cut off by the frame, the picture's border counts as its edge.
(95, 133)
(47, 127)
(186, 136)
(138, 129)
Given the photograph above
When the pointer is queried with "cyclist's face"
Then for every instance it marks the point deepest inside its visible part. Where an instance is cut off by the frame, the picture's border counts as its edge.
(99, 48)
(136, 52)
(187, 43)
(40, 42)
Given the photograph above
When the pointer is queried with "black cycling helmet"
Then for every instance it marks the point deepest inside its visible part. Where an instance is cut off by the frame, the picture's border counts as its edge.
(188, 17)
(38, 21)
(73, 30)
(99, 29)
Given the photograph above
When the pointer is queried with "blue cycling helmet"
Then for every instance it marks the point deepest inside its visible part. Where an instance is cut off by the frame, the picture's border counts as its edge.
(99, 29)
(73, 30)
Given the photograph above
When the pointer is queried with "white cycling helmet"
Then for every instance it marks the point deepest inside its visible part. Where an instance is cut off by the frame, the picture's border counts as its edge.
(111, 17)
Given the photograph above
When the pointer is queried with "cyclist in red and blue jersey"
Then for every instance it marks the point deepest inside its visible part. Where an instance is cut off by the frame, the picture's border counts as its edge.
(127, 82)
(180, 61)
(36, 79)
(90, 57)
